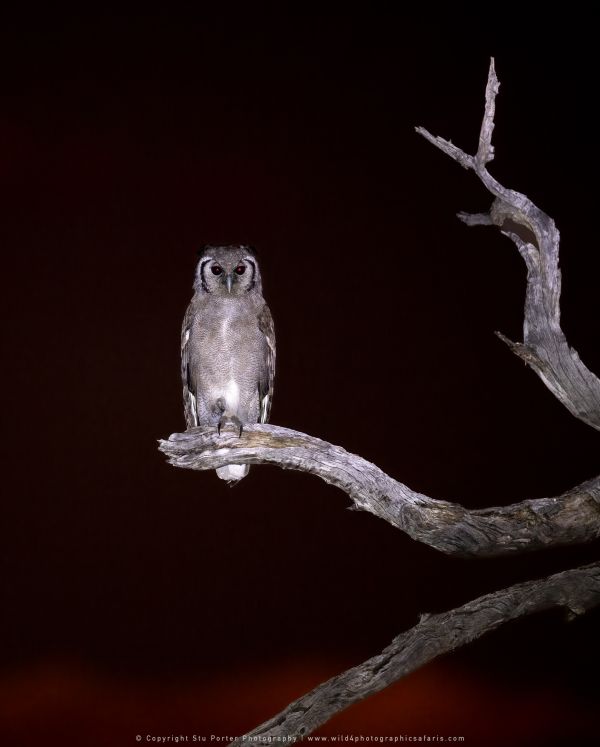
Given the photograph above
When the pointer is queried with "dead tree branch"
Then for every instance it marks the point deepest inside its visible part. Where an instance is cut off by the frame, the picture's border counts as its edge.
(576, 590)
(544, 347)
(571, 518)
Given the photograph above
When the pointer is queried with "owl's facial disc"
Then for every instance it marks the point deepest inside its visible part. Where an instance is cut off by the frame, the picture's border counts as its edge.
(228, 272)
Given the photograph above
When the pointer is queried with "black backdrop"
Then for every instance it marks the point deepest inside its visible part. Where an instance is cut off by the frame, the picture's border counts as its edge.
(138, 598)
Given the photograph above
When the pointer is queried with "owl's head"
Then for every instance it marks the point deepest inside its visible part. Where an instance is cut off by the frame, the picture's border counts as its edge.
(227, 271)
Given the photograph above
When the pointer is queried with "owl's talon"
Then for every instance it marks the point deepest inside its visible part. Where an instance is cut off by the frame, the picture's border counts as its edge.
(230, 419)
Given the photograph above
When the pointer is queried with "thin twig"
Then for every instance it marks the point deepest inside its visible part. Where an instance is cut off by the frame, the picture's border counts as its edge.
(485, 151)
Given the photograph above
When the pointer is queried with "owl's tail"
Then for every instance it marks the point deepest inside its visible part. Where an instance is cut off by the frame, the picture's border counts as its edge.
(233, 472)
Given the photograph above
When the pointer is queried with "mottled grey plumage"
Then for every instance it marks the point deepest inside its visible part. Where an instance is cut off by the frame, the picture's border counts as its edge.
(227, 346)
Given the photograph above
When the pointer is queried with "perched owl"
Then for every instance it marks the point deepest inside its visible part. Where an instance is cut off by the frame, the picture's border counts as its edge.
(227, 346)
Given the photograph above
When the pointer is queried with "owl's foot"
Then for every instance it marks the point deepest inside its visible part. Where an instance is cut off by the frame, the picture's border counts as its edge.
(225, 420)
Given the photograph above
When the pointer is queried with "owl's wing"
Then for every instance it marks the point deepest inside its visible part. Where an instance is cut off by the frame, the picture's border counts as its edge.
(265, 386)
(189, 396)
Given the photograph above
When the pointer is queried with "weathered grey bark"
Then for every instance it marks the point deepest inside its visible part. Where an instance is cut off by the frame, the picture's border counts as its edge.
(576, 590)
(571, 518)
(544, 347)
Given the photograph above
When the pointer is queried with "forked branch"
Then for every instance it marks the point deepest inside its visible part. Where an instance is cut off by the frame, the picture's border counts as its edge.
(544, 347)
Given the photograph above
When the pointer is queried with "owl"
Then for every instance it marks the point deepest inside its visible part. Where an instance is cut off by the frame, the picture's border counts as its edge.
(227, 346)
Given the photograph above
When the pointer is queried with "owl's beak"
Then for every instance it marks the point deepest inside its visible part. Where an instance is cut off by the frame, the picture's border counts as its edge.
(228, 282)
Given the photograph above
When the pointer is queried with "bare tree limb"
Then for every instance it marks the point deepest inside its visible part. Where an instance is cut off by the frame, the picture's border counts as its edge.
(571, 518)
(576, 590)
(544, 347)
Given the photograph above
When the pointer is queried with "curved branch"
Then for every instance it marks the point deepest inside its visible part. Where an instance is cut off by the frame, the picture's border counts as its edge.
(544, 347)
(571, 518)
(577, 590)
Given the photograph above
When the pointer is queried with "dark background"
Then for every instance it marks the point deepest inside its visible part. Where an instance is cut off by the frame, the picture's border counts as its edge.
(138, 598)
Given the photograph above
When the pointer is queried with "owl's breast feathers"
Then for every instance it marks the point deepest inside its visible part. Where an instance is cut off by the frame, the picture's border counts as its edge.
(227, 360)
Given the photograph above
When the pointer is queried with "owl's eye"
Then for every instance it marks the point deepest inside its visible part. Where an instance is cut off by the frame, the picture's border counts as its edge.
(216, 270)
(240, 269)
